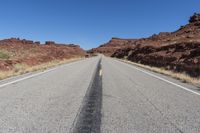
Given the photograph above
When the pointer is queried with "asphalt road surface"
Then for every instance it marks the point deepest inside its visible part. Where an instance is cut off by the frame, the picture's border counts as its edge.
(98, 95)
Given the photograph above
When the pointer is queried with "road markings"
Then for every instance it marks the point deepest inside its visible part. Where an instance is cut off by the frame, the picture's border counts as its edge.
(100, 72)
(165, 80)
(28, 77)
(89, 118)
(34, 75)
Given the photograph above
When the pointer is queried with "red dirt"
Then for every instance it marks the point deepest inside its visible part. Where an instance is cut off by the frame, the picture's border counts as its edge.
(33, 53)
(179, 50)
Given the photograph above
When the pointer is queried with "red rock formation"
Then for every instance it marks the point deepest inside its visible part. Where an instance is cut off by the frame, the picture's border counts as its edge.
(110, 47)
(33, 53)
(179, 50)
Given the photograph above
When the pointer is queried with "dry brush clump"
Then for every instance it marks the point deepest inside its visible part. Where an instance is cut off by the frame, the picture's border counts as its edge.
(4, 55)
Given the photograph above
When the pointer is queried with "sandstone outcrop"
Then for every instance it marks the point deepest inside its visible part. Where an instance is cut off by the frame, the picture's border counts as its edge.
(178, 51)
(33, 53)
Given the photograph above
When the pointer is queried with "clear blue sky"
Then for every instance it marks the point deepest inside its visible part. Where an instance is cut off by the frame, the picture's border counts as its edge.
(91, 22)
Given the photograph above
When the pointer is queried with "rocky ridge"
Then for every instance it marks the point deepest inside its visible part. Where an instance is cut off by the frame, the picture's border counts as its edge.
(33, 53)
(178, 51)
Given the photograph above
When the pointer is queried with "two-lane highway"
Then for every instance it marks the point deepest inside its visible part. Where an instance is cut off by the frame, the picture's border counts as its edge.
(98, 94)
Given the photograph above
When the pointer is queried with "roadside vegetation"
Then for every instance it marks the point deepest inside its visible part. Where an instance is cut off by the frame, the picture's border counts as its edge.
(180, 76)
(4, 55)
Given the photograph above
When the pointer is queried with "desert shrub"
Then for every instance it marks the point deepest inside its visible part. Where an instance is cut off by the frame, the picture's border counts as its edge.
(4, 55)
(20, 68)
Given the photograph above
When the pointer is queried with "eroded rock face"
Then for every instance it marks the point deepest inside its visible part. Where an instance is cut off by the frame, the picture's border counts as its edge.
(179, 50)
(181, 57)
(195, 18)
(110, 47)
(33, 53)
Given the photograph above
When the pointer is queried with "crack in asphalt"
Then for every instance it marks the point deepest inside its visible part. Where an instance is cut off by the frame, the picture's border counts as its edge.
(89, 118)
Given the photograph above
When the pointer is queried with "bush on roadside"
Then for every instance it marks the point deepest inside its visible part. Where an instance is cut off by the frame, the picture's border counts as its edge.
(4, 55)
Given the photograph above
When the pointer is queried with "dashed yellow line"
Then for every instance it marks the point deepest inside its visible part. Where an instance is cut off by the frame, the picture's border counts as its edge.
(100, 72)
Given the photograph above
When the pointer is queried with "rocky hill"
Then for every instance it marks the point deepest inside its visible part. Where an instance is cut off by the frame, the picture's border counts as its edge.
(15, 51)
(179, 50)
(110, 47)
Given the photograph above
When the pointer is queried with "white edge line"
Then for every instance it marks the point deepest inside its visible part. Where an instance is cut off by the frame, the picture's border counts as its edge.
(34, 75)
(28, 77)
(150, 74)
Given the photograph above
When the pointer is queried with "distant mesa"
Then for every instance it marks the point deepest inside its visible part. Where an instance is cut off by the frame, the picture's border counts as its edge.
(50, 43)
(37, 42)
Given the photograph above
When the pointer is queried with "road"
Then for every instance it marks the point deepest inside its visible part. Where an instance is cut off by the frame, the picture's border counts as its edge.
(98, 94)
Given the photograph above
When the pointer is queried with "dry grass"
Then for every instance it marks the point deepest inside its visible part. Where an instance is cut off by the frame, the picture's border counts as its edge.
(180, 76)
(23, 68)
(4, 55)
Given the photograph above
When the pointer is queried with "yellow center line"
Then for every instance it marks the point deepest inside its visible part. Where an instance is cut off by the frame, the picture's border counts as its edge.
(100, 72)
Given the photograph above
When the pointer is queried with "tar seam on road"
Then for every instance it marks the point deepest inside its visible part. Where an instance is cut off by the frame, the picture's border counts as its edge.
(88, 119)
